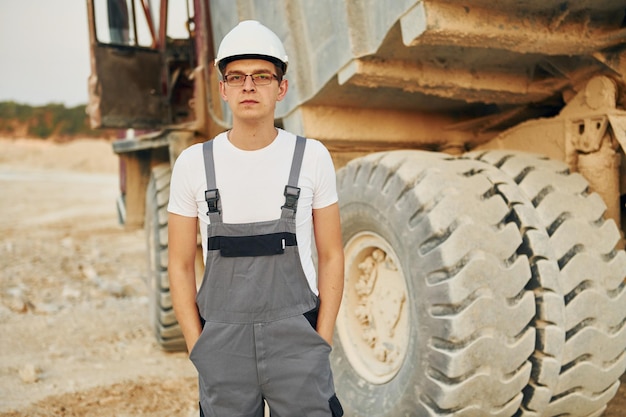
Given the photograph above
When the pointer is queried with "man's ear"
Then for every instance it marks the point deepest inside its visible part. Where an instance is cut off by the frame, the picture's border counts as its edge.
(282, 89)
(223, 91)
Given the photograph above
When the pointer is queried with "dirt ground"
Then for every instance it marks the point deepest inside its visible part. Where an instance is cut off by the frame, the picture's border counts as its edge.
(75, 338)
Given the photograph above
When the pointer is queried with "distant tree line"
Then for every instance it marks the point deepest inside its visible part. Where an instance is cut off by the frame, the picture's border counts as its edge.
(49, 121)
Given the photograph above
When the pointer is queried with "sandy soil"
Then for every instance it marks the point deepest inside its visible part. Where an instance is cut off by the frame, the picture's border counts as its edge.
(75, 334)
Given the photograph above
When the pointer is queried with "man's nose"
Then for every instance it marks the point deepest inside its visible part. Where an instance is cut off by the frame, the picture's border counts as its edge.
(248, 83)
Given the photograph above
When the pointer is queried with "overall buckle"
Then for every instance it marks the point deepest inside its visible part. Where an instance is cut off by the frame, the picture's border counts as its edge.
(212, 198)
(291, 197)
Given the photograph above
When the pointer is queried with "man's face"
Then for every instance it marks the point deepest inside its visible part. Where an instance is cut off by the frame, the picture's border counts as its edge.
(250, 99)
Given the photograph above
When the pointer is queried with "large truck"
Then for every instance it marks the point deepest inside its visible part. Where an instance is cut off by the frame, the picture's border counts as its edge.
(479, 149)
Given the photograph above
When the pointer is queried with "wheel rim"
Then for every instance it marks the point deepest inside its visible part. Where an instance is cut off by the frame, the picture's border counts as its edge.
(373, 323)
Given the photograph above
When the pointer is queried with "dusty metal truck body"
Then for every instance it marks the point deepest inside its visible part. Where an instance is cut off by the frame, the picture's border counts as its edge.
(479, 149)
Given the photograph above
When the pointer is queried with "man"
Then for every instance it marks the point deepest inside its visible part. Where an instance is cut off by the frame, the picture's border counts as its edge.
(261, 325)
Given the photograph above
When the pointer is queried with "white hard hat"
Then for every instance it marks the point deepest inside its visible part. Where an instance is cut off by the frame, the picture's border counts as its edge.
(250, 39)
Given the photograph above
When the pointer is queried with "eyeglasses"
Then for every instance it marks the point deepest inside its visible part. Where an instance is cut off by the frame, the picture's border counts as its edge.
(259, 78)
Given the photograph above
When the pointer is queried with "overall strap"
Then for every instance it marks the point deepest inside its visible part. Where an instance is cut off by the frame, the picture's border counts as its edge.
(292, 192)
(212, 195)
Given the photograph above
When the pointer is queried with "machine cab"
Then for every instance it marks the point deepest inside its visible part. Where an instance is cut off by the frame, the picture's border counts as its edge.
(142, 58)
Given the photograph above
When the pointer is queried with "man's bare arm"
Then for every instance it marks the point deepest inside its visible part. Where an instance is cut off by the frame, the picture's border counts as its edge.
(327, 230)
(182, 232)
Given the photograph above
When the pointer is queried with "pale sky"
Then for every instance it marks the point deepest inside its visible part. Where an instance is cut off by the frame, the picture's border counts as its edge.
(44, 51)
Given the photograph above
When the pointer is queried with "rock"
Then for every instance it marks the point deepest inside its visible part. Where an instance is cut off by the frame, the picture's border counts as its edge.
(17, 305)
(17, 292)
(47, 308)
(89, 272)
(114, 289)
(67, 242)
(29, 373)
(70, 293)
(16, 300)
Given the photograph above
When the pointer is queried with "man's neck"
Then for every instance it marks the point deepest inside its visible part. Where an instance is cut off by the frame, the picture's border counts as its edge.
(252, 138)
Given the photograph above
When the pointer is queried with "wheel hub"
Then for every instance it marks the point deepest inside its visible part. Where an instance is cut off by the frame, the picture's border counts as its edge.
(373, 321)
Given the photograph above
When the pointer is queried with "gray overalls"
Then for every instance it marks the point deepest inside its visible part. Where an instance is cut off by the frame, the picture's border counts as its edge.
(259, 339)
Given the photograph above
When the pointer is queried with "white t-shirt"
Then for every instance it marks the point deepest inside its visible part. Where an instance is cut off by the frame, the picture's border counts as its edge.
(251, 186)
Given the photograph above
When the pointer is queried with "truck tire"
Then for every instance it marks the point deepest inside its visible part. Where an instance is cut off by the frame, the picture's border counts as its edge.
(592, 273)
(166, 328)
(450, 330)
(549, 320)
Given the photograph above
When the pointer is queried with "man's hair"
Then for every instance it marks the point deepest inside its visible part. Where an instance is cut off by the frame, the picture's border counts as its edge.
(278, 64)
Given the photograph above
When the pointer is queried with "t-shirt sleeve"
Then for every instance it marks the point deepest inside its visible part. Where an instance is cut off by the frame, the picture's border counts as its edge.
(325, 192)
(182, 197)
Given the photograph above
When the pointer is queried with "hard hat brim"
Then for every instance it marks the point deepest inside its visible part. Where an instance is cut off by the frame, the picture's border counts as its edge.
(225, 61)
